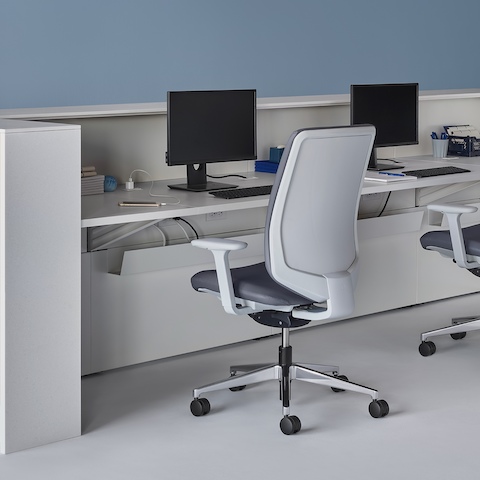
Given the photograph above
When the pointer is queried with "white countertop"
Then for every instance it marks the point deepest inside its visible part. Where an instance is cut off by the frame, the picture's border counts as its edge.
(103, 209)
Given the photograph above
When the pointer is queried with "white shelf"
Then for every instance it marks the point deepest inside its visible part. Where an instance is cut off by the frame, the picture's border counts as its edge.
(160, 108)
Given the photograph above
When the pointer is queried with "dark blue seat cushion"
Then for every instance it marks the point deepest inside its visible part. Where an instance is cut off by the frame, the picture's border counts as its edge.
(441, 239)
(252, 283)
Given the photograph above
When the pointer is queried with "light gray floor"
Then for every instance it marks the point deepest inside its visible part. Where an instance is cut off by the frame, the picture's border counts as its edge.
(137, 423)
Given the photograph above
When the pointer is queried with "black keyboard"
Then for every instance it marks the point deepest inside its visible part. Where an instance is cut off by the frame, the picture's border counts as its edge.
(242, 192)
(435, 171)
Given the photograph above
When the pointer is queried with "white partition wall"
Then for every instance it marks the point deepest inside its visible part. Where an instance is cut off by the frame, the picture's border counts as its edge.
(39, 283)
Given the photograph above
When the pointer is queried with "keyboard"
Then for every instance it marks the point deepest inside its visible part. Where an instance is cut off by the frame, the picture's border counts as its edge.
(242, 192)
(435, 171)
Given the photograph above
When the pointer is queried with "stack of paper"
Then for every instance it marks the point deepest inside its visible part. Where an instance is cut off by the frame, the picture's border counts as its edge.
(92, 185)
(387, 177)
(462, 131)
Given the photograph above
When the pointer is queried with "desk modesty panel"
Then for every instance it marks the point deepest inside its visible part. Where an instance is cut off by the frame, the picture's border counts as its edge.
(118, 139)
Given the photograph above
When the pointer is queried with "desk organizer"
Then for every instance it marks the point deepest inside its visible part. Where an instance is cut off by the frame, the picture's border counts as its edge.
(463, 145)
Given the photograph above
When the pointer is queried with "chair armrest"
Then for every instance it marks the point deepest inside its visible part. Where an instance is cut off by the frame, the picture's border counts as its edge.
(455, 209)
(453, 214)
(221, 248)
(219, 244)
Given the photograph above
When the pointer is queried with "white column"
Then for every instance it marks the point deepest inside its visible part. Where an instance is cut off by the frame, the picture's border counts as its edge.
(40, 397)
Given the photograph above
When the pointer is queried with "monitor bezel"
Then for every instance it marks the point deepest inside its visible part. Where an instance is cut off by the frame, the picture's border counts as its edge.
(355, 89)
(208, 159)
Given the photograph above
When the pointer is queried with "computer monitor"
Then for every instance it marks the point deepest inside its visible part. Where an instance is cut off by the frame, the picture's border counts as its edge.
(392, 109)
(210, 126)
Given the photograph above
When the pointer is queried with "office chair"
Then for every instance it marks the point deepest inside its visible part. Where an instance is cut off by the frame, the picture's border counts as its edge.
(463, 246)
(310, 264)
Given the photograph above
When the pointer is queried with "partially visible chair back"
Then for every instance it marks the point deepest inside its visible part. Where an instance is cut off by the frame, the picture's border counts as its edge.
(311, 221)
(463, 246)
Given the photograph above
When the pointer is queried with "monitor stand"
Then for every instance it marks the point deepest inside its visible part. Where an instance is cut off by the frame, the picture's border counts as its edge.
(374, 165)
(197, 181)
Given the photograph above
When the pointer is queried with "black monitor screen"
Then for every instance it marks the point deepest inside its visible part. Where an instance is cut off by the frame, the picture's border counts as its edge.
(210, 126)
(391, 108)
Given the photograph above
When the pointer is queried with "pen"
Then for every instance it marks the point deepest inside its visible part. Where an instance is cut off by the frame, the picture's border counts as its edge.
(393, 174)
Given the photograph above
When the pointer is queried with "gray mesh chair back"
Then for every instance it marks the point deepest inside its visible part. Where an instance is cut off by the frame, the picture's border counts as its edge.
(311, 220)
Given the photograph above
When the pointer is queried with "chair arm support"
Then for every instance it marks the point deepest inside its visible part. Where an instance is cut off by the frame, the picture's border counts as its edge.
(453, 214)
(221, 248)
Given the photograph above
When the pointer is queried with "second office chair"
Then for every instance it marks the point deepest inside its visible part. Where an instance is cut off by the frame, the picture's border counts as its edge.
(463, 246)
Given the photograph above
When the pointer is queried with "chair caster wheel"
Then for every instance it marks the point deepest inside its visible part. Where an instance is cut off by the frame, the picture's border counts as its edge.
(290, 424)
(200, 407)
(427, 348)
(459, 335)
(378, 408)
(340, 377)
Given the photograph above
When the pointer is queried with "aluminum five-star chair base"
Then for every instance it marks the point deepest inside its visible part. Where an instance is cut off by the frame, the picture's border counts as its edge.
(284, 372)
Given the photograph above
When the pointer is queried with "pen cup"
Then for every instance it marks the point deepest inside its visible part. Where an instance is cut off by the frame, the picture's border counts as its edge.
(440, 147)
(276, 153)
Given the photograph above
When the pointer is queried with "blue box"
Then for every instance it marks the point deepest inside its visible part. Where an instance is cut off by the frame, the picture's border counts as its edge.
(266, 166)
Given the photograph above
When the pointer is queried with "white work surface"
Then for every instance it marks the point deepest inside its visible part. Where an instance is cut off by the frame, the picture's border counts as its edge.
(98, 210)
(413, 163)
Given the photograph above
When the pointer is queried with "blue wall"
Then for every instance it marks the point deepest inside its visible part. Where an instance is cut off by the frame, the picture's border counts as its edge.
(83, 52)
